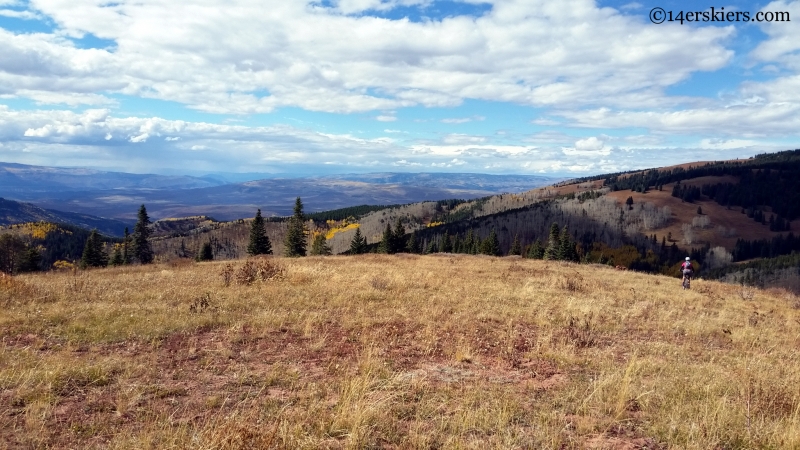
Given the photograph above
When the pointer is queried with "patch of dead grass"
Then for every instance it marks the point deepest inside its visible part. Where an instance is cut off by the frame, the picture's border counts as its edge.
(395, 352)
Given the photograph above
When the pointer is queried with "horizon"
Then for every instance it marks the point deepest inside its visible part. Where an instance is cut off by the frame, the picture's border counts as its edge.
(404, 86)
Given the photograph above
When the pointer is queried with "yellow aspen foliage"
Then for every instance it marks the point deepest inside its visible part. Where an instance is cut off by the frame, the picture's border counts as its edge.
(63, 265)
(338, 229)
(38, 230)
(435, 224)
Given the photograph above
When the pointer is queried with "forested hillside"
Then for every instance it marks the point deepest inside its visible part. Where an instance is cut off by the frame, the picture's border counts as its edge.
(718, 213)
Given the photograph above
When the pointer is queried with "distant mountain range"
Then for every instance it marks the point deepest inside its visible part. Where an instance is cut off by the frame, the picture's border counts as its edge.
(12, 212)
(118, 195)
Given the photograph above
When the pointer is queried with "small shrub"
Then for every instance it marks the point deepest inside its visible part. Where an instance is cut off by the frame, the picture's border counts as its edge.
(580, 332)
(259, 270)
(200, 303)
(379, 283)
(746, 293)
(573, 283)
(227, 274)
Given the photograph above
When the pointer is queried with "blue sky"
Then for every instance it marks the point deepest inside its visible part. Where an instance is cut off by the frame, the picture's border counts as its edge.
(566, 88)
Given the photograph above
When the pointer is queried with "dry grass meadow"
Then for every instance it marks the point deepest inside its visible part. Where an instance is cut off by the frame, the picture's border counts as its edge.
(395, 352)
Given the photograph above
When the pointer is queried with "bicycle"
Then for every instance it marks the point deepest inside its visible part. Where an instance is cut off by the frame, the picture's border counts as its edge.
(687, 280)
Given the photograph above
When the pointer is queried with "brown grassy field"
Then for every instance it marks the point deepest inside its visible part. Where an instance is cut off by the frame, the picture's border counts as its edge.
(395, 352)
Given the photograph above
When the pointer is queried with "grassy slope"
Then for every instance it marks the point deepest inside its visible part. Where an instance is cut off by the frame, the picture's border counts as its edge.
(395, 352)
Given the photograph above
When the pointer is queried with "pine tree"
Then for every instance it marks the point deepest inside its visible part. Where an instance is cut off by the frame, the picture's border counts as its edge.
(30, 260)
(359, 243)
(93, 253)
(458, 244)
(431, 248)
(116, 259)
(206, 252)
(469, 242)
(536, 251)
(259, 241)
(445, 245)
(295, 241)
(516, 248)
(566, 246)
(551, 251)
(387, 241)
(399, 237)
(141, 246)
(126, 242)
(320, 247)
(491, 245)
(413, 244)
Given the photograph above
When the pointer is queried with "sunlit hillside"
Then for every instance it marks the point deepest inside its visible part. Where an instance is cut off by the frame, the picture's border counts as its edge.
(402, 351)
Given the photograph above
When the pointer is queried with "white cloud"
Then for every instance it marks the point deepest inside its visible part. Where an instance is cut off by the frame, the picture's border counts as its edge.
(463, 119)
(252, 57)
(588, 147)
(727, 144)
(631, 6)
(25, 15)
(784, 37)
(777, 119)
(384, 118)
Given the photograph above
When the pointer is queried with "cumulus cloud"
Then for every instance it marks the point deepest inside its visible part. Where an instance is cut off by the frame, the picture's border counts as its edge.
(746, 120)
(588, 147)
(252, 57)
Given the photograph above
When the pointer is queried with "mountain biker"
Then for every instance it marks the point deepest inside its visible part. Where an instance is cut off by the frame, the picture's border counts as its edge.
(686, 270)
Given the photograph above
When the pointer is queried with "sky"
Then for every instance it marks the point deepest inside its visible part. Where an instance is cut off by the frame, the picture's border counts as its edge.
(296, 88)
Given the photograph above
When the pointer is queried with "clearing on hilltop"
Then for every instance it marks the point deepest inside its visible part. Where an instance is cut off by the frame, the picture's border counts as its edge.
(402, 351)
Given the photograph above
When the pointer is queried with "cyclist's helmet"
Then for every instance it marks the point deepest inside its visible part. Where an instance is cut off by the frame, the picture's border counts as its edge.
(687, 258)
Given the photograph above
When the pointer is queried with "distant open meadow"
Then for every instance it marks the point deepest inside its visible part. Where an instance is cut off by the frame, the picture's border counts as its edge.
(403, 351)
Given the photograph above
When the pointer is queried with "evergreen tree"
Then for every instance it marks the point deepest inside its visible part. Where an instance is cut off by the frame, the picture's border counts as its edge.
(295, 241)
(320, 247)
(566, 246)
(116, 259)
(553, 241)
(413, 244)
(536, 251)
(445, 245)
(259, 241)
(491, 245)
(399, 238)
(93, 253)
(476, 246)
(469, 242)
(30, 260)
(458, 244)
(206, 252)
(126, 255)
(11, 248)
(387, 241)
(141, 233)
(516, 247)
(359, 243)
(431, 248)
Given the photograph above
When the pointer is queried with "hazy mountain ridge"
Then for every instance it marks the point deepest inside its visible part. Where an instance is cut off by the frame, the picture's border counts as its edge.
(26, 181)
(118, 195)
(13, 212)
